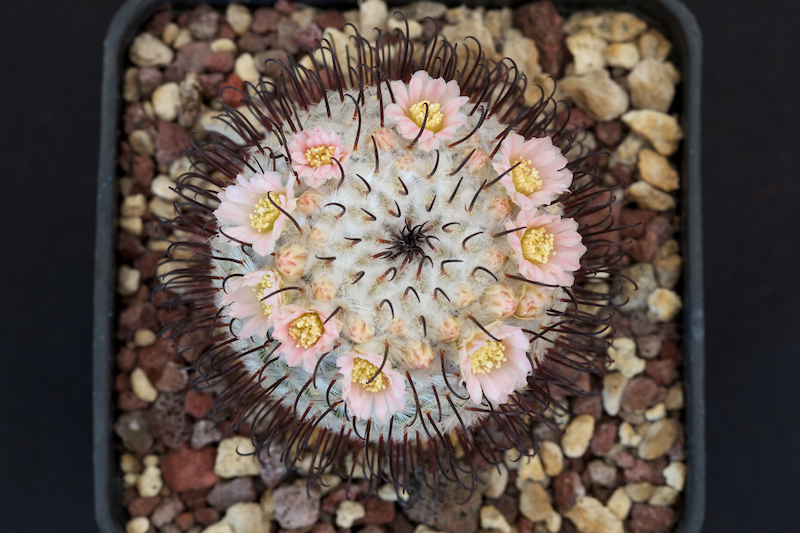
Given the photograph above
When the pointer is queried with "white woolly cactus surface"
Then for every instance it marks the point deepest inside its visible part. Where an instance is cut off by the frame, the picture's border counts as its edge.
(394, 257)
(418, 300)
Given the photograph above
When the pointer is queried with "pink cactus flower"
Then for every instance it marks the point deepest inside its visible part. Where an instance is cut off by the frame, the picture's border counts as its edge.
(549, 250)
(248, 214)
(540, 176)
(244, 299)
(313, 152)
(443, 101)
(495, 368)
(304, 334)
(380, 398)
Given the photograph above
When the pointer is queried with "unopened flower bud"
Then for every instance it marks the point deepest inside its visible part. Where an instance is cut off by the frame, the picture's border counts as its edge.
(383, 139)
(500, 208)
(359, 331)
(324, 290)
(499, 301)
(404, 163)
(532, 301)
(449, 329)
(494, 259)
(399, 326)
(464, 296)
(420, 354)
(308, 201)
(291, 261)
(318, 237)
(477, 162)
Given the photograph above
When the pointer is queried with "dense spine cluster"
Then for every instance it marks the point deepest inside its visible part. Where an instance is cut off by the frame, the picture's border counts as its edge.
(393, 262)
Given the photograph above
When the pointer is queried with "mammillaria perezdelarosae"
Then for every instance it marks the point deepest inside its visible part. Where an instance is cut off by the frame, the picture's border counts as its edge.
(394, 261)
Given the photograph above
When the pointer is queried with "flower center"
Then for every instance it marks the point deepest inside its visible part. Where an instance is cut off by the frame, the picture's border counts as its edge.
(435, 118)
(306, 329)
(363, 371)
(537, 245)
(264, 215)
(261, 290)
(317, 156)
(488, 357)
(526, 179)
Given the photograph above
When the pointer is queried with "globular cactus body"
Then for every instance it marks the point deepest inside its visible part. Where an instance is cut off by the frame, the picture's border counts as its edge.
(391, 268)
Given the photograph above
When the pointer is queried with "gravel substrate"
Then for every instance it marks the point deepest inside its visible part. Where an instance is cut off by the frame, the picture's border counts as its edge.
(618, 464)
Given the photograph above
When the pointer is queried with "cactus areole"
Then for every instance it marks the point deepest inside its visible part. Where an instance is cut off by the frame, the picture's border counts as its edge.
(391, 263)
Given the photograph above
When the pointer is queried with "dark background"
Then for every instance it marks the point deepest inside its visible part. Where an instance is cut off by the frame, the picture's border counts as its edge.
(50, 71)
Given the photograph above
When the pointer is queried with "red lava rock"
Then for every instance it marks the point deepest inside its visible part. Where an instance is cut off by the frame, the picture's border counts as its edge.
(229, 96)
(175, 71)
(638, 219)
(604, 436)
(149, 79)
(640, 324)
(270, 68)
(649, 519)
(624, 460)
(173, 379)
(147, 263)
(166, 511)
(198, 404)
(187, 469)
(168, 420)
(143, 169)
(662, 371)
(226, 493)
(524, 525)
(126, 359)
(648, 345)
(265, 19)
(219, 61)
(191, 56)
(210, 84)
(183, 19)
(400, 525)
(661, 225)
(379, 512)
(171, 142)
(508, 507)
(128, 401)
(184, 521)
(567, 488)
(125, 157)
(574, 464)
(295, 507)
(154, 358)
(644, 249)
(284, 7)
(205, 516)
(273, 469)
(122, 382)
(323, 527)
(639, 472)
(307, 36)
(139, 316)
(330, 19)
(135, 118)
(203, 22)
(670, 350)
(541, 22)
(575, 119)
(678, 450)
(253, 43)
(639, 395)
(337, 496)
(609, 133)
(657, 465)
(129, 247)
(226, 31)
(158, 22)
(128, 496)
(143, 506)
(591, 405)
(622, 173)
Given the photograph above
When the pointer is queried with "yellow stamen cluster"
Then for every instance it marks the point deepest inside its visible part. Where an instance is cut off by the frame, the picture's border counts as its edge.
(526, 179)
(319, 155)
(363, 371)
(263, 288)
(488, 357)
(537, 245)
(306, 329)
(435, 118)
(265, 214)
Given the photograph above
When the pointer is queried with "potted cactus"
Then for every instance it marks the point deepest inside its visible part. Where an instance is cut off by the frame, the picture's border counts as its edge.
(436, 262)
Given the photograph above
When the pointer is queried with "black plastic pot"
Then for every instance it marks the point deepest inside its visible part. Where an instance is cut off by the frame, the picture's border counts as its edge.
(669, 16)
